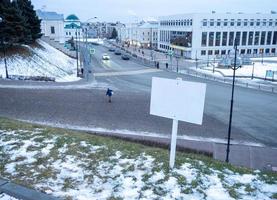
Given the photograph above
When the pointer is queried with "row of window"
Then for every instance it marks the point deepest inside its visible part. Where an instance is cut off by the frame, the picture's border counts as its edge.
(242, 38)
(241, 51)
(239, 22)
(184, 22)
(69, 33)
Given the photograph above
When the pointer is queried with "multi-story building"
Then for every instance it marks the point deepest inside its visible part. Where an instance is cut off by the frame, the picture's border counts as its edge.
(213, 34)
(52, 25)
(143, 34)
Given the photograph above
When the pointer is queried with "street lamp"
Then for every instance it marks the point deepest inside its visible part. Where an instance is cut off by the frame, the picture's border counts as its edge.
(235, 67)
(4, 51)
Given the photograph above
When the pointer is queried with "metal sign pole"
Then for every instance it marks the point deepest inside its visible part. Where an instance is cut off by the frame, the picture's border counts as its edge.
(173, 143)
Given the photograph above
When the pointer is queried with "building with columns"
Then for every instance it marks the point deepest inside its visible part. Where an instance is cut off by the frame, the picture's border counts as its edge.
(202, 35)
(72, 27)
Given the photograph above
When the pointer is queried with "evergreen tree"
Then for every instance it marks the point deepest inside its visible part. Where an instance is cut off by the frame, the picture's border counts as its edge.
(114, 34)
(13, 25)
(32, 20)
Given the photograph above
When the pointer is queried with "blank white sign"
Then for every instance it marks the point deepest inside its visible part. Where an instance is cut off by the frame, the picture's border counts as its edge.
(177, 99)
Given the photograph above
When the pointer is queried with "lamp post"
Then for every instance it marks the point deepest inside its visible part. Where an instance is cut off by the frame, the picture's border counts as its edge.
(235, 67)
(253, 71)
(77, 53)
(4, 51)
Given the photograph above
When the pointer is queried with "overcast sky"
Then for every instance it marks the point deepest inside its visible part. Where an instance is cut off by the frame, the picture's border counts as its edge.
(133, 10)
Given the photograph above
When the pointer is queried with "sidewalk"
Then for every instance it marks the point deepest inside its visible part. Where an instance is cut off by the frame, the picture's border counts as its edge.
(22, 193)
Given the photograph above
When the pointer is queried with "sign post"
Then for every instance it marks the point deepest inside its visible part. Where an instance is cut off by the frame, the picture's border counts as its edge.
(177, 100)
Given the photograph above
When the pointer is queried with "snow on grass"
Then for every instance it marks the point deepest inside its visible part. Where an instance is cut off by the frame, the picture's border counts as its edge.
(43, 60)
(6, 197)
(71, 165)
(246, 70)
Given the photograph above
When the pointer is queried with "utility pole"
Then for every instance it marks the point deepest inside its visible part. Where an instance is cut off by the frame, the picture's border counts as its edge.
(77, 56)
(4, 51)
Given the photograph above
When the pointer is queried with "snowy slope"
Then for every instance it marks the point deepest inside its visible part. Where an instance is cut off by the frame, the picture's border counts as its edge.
(43, 60)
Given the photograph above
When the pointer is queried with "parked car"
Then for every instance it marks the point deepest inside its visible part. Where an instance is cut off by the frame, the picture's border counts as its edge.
(117, 52)
(105, 57)
(112, 50)
(125, 57)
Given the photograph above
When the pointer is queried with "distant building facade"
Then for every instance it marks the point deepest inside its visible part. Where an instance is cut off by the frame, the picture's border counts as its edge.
(52, 25)
(213, 34)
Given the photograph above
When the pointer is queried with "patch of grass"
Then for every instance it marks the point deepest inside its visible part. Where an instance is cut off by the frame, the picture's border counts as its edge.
(274, 196)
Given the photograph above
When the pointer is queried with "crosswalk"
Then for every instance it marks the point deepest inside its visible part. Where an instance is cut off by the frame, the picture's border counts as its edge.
(126, 73)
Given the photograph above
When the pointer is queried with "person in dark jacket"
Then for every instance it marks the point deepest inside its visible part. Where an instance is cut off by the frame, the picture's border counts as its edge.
(109, 93)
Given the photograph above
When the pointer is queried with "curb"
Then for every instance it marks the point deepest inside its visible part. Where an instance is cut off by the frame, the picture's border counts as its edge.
(21, 192)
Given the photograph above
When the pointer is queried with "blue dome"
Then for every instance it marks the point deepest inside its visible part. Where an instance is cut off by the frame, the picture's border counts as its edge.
(72, 17)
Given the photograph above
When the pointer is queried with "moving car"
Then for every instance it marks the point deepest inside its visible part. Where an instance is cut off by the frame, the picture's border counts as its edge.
(125, 57)
(117, 52)
(112, 50)
(105, 57)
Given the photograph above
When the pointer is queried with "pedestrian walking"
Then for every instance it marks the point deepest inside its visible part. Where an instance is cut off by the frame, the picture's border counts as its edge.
(166, 65)
(158, 65)
(109, 93)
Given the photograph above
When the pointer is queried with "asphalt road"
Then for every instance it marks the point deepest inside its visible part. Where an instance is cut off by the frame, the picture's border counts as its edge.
(254, 119)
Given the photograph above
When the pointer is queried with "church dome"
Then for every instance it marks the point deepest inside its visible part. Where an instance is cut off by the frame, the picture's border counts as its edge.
(72, 17)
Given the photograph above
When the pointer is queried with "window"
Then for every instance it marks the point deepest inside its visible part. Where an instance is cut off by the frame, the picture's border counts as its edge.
(255, 51)
(249, 51)
(252, 22)
(218, 23)
(211, 39)
(223, 52)
(191, 22)
(232, 22)
(231, 38)
(245, 23)
(224, 39)
(205, 22)
(264, 22)
(257, 38)
(263, 38)
(204, 39)
(244, 38)
(210, 52)
(216, 52)
(238, 34)
(203, 53)
(258, 23)
(270, 23)
(268, 39)
(274, 38)
(52, 30)
(273, 50)
(242, 51)
(66, 33)
(267, 51)
(217, 38)
(225, 22)
(239, 23)
(212, 22)
(250, 38)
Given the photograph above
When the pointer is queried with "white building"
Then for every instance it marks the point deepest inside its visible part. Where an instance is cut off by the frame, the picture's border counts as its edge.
(144, 34)
(72, 27)
(212, 34)
(52, 25)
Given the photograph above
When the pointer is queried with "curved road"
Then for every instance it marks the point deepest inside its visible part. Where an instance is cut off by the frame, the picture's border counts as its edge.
(254, 119)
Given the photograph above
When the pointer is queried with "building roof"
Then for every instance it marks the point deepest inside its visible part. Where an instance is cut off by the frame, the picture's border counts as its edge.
(72, 26)
(149, 25)
(43, 15)
(72, 17)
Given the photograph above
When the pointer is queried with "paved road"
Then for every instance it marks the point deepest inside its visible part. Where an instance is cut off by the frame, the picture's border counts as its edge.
(255, 112)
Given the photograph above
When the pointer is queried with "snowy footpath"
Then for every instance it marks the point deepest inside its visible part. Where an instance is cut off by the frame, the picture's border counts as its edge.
(41, 60)
(80, 166)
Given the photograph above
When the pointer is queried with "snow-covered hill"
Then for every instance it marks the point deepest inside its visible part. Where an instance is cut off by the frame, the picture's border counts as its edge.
(41, 60)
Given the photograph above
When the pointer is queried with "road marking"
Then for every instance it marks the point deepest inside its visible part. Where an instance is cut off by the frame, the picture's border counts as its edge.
(124, 73)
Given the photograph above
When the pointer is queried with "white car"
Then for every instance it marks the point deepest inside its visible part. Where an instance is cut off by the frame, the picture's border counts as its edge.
(105, 57)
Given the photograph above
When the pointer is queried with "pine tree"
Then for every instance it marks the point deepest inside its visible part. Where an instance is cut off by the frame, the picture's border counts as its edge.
(13, 25)
(32, 20)
(114, 34)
